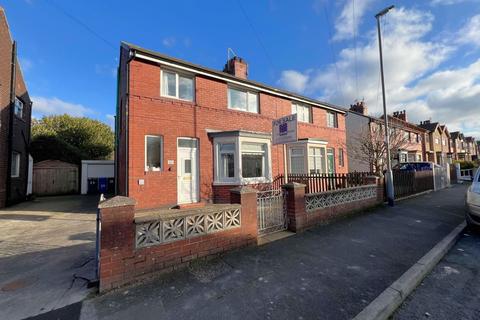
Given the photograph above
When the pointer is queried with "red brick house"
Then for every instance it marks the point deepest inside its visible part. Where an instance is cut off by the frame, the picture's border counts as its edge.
(187, 134)
(15, 117)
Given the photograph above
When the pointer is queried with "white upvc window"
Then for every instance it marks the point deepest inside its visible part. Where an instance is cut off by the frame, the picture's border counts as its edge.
(297, 160)
(226, 161)
(304, 112)
(243, 100)
(153, 153)
(316, 160)
(436, 140)
(332, 121)
(240, 159)
(254, 157)
(177, 85)
(18, 110)
(15, 167)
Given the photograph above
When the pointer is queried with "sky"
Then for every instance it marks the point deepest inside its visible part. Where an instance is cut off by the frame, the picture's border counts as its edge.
(323, 49)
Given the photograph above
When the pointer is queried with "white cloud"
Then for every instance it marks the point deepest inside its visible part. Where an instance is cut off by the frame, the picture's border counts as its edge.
(446, 2)
(350, 18)
(413, 80)
(25, 64)
(470, 33)
(49, 106)
(169, 41)
(110, 120)
(293, 80)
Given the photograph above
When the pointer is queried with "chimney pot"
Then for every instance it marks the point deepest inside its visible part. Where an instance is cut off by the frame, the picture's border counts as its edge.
(360, 107)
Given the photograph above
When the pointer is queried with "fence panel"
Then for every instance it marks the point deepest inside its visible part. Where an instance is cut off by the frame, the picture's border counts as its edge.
(321, 182)
(406, 183)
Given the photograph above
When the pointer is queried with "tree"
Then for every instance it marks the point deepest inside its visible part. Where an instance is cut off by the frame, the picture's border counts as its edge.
(71, 139)
(370, 147)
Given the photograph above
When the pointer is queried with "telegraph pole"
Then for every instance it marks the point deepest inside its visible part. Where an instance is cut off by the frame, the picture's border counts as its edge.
(390, 191)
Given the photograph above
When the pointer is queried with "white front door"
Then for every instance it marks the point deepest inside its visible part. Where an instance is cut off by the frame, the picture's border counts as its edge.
(187, 170)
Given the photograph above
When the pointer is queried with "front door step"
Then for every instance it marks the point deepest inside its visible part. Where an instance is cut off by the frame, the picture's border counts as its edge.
(274, 236)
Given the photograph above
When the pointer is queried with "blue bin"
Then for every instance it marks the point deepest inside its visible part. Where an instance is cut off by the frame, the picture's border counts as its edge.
(102, 185)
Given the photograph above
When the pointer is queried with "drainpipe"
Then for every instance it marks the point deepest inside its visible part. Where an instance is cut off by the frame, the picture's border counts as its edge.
(127, 119)
(10, 125)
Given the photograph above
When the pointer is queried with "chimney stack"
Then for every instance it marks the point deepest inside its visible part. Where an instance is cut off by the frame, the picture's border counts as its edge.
(360, 107)
(402, 115)
(237, 66)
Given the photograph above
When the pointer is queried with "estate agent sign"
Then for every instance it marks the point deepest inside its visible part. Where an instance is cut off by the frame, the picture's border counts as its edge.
(284, 130)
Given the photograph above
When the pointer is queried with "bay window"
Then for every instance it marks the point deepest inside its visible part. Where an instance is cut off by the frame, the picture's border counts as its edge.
(243, 100)
(177, 85)
(316, 160)
(297, 160)
(226, 157)
(241, 157)
(253, 159)
(303, 112)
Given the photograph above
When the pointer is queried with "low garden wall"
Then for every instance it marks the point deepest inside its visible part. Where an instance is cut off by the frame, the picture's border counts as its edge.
(133, 246)
(307, 210)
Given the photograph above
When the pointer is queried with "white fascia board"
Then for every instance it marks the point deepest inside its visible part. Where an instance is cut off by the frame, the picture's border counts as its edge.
(241, 84)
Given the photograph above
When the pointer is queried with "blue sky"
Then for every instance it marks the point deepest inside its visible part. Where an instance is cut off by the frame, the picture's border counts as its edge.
(319, 48)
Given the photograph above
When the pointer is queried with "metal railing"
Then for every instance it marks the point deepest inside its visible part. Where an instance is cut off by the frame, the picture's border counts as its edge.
(271, 211)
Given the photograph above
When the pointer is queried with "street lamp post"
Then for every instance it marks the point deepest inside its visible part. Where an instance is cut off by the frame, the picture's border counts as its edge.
(390, 191)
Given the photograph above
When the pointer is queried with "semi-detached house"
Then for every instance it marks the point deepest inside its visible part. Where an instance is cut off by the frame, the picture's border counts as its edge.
(189, 134)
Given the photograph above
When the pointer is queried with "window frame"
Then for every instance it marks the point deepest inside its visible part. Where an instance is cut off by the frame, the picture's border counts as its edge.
(178, 74)
(17, 164)
(335, 119)
(323, 164)
(290, 155)
(248, 93)
(341, 157)
(161, 153)
(297, 105)
(18, 100)
(238, 178)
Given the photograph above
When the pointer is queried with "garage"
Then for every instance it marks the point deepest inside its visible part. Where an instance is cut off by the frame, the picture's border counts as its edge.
(98, 176)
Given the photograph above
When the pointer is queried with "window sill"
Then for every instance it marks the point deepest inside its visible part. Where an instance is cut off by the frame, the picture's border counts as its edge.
(240, 110)
(173, 99)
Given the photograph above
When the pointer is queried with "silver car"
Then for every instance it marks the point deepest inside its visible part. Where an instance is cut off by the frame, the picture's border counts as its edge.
(472, 202)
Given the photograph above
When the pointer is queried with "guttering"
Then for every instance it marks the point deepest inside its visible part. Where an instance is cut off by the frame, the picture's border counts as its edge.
(232, 81)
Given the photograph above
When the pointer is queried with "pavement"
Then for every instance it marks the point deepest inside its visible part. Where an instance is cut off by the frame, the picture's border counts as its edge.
(328, 272)
(47, 250)
(452, 289)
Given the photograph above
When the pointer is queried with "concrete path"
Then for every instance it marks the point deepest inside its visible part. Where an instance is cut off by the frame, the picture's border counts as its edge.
(452, 290)
(47, 248)
(329, 272)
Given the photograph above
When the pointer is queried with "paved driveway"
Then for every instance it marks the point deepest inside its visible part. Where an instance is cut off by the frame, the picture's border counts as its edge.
(47, 249)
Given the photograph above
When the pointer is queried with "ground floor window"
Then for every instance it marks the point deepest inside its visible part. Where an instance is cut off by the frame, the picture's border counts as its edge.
(297, 160)
(15, 167)
(240, 159)
(316, 159)
(153, 153)
(253, 159)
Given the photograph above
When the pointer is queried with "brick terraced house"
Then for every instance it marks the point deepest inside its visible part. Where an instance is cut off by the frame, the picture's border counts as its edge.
(437, 143)
(411, 135)
(189, 134)
(15, 116)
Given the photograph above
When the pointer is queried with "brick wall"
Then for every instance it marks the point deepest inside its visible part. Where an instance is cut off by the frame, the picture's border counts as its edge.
(21, 126)
(299, 219)
(122, 263)
(151, 114)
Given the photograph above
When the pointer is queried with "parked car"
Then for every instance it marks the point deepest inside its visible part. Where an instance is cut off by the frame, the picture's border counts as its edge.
(413, 166)
(472, 202)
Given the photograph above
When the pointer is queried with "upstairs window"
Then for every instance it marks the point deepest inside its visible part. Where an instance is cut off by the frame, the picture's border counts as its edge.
(18, 110)
(303, 112)
(178, 86)
(153, 153)
(332, 119)
(242, 100)
(15, 168)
